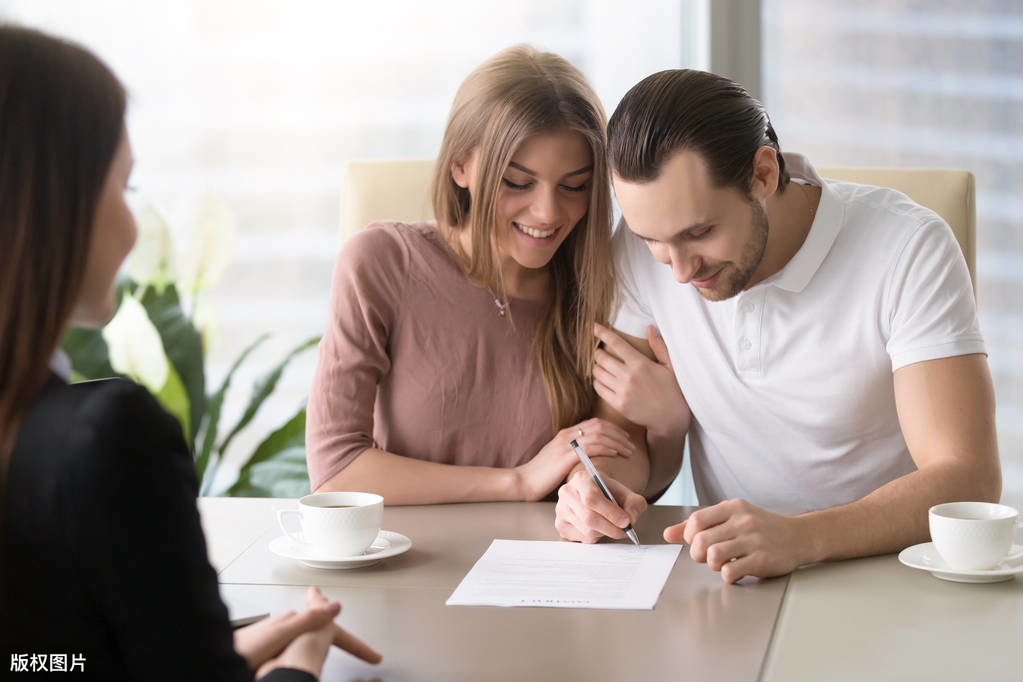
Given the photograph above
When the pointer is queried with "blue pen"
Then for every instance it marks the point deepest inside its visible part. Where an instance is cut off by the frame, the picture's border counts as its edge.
(584, 458)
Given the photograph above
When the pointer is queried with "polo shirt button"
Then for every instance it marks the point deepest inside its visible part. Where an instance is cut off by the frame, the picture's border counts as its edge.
(747, 306)
(745, 344)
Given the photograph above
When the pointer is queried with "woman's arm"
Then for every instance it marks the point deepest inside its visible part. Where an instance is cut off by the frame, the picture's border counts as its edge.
(404, 480)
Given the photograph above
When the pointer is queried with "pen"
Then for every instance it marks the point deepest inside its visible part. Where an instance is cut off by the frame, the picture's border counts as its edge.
(584, 458)
(248, 620)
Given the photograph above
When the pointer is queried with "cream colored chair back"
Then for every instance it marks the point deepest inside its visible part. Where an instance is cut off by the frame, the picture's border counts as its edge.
(376, 190)
(949, 193)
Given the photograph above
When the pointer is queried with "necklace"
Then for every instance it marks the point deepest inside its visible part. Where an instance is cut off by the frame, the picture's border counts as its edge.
(502, 307)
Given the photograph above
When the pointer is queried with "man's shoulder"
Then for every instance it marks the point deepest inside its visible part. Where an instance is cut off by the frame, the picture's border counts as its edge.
(871, 210)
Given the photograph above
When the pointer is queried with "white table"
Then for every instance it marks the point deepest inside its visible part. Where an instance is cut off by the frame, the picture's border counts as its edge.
(863, 619)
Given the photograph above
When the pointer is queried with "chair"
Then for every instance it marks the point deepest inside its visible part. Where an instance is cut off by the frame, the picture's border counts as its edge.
(376, 190)
(399, 189)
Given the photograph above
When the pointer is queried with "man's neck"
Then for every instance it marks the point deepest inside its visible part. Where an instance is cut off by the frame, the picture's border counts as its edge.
(790, 215)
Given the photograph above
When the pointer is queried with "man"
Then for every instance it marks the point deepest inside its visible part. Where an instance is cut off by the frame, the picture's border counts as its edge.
(824, 335)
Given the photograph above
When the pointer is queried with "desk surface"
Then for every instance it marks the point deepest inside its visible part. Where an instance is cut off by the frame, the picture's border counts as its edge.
(864, 619)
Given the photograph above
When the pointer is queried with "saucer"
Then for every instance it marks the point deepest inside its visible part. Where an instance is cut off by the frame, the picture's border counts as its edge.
(387, 544)
(925, 557)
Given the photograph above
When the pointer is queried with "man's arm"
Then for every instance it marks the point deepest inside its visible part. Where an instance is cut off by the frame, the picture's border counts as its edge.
(947, 413)
(637, 390)
(946, 410)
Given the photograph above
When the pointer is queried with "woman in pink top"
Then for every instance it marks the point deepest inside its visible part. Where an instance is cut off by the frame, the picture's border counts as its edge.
(457, 360)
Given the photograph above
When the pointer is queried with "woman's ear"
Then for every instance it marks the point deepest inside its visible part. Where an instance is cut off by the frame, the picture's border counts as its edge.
(464, 168)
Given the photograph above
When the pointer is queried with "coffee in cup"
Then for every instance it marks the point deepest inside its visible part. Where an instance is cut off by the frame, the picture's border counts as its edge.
(340, 524)
(972, 535)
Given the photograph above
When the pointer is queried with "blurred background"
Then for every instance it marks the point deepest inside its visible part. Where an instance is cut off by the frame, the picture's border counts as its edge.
(263, 103)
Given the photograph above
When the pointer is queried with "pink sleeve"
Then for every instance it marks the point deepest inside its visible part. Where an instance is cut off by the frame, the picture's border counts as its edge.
(369, 276)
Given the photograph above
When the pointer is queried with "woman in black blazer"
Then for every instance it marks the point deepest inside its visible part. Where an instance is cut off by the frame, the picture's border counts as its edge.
(102, 558)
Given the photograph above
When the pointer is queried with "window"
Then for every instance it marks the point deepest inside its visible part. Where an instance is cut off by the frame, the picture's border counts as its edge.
(904, 83)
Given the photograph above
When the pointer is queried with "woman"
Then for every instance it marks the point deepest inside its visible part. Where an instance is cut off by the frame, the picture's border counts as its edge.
(455, 350)
(101, 551)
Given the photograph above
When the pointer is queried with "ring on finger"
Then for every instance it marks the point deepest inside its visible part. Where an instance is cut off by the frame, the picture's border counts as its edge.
(581, 433)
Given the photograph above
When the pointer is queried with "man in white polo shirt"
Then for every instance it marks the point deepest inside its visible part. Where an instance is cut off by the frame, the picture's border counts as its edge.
(824, 336)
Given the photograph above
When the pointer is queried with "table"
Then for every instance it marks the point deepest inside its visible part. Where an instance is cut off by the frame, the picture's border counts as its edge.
(863, 619)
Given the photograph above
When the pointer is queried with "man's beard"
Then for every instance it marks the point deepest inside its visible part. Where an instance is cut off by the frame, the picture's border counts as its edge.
(735, 277)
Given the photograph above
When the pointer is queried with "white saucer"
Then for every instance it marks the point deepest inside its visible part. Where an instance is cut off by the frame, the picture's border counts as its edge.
(387, 544)
(925, 557)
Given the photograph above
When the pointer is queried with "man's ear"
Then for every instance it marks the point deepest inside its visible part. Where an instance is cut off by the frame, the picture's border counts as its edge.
(463, 168)
(765, 173)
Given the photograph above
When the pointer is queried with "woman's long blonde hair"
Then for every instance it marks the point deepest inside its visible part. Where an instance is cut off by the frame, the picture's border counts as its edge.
(515, 94)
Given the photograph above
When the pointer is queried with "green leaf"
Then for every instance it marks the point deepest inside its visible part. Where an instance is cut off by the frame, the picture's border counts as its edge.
(262, 387)
(278, 466)
(183, 345)
(172, 397)
(88, 354)
(213, 405)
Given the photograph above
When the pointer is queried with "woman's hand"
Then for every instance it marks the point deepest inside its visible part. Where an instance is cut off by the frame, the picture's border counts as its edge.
(542, 474)
(644, 391)
(298, 640)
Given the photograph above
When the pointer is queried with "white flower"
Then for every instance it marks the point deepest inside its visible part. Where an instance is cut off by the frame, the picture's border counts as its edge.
(207, 322)
(135, 347)
(210, 246)
(152, 259)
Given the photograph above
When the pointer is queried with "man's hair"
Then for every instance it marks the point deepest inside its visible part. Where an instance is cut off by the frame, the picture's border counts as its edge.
(682, 109)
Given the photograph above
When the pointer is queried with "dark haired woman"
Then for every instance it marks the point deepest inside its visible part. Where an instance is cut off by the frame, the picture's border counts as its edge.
(101, 551)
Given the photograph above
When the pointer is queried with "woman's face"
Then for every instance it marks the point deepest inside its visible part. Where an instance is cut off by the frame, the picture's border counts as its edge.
(113, 236)
(544, 193)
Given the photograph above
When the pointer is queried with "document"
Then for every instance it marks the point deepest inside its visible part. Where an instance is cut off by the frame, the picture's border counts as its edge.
(567, 575)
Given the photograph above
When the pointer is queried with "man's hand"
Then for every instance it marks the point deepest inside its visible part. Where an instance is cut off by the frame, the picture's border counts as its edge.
(739, 539)
(644, 391)
(583, 514)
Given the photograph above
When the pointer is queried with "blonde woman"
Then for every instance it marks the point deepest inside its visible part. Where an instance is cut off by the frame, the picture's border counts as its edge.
(457, 361)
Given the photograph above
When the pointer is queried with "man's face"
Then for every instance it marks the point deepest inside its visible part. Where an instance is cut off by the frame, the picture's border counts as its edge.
(712, 237)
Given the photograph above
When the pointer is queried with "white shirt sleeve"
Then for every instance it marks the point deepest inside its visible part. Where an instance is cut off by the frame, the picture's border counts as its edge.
(631, 313)
(929, 300)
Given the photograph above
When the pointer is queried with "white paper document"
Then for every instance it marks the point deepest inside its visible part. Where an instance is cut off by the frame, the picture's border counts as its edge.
(567, 575)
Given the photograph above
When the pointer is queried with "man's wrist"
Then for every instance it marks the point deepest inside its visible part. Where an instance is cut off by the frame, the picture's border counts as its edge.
(811, 538)
(671, 431)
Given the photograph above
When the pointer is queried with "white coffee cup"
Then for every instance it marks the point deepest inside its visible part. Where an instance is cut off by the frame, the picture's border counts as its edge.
(972, 535)
(336, 524)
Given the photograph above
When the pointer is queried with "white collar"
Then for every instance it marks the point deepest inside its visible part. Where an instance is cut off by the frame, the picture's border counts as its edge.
(827, 223)
(60, 364)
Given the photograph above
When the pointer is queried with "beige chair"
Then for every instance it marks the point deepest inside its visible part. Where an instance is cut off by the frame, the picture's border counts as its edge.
(377, 190)
(399, 189)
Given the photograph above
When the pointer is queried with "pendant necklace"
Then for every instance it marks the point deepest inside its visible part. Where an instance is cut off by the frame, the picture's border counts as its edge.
(502, 307)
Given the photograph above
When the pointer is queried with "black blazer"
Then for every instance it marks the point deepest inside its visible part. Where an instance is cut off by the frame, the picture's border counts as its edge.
(101, 551)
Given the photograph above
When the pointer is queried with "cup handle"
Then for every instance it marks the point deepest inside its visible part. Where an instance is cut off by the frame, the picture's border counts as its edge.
(281, 515)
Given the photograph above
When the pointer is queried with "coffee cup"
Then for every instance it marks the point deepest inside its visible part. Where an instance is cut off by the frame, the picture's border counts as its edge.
(972, 535)
(338, 524)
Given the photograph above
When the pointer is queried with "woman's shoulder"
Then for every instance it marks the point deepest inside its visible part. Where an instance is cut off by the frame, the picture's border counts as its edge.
(392, 240)
(387, 253)
(96, 421)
